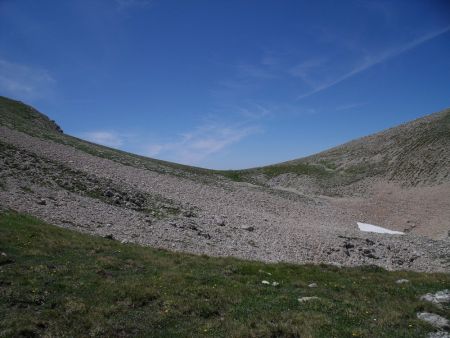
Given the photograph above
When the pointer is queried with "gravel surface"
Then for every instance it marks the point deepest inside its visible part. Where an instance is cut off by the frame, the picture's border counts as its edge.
(73, 189)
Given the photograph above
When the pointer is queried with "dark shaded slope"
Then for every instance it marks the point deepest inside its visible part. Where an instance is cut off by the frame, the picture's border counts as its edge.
(17, 115)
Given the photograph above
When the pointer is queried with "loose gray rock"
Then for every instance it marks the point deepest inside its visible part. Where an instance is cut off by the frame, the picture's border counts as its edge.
(42, 202)
(296, 223)
(437, 298)
(188, 213)
(434, 319)
(439, 334)
(220, 221)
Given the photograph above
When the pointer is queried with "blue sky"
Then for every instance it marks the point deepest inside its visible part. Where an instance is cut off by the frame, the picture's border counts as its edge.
(226, 84)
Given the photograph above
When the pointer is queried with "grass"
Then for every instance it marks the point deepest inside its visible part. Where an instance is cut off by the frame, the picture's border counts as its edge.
(57, 282)
(314, 170)
(298, 168)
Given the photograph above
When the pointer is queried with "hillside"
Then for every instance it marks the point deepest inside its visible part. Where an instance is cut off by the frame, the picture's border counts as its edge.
(415, 153)
(56, 282)
(24, 118)
(302, 211)
(412, 154)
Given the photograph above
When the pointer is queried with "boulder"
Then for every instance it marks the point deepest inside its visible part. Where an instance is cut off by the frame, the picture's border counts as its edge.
(434, 319)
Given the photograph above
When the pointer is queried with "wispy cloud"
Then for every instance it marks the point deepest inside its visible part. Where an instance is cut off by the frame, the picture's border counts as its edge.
(196, 145)
(254, 112)
(247, 77)
(371, 61)
(106, 138)
(190, 147)
(305, 70)
(24, 82)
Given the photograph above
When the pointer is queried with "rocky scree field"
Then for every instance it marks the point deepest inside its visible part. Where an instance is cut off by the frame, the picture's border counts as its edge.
(302, 211)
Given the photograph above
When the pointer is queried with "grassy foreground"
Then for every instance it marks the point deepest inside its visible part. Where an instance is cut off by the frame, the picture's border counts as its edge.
(56, 282)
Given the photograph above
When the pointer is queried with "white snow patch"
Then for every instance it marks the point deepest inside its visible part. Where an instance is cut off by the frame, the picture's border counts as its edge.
(375, 228)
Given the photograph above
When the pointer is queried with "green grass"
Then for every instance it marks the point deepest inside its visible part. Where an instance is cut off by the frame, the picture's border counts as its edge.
(16, 115)
(313, 170)
(56, 282)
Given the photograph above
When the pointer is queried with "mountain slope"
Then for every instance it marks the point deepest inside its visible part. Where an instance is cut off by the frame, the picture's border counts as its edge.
(17, 115)
(303, 211)
(415, 153)
(22, 117)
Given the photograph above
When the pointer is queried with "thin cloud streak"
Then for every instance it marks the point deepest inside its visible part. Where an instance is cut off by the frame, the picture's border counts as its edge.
(203, 141)
(25, 82)
(371, 62)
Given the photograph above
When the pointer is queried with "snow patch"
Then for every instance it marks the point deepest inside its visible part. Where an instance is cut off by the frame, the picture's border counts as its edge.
(374, 228)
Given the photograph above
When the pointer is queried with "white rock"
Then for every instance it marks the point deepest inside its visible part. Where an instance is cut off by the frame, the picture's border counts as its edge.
(434, 319)
(437, 298)
(312, 285)
(265, 282)
(402, 281)
(306, 299)
(439, 334)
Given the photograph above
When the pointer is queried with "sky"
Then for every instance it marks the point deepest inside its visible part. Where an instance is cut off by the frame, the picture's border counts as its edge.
(226, 84)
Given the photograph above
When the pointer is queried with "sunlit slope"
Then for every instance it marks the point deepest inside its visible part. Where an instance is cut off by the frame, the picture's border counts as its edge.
(414, 153)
